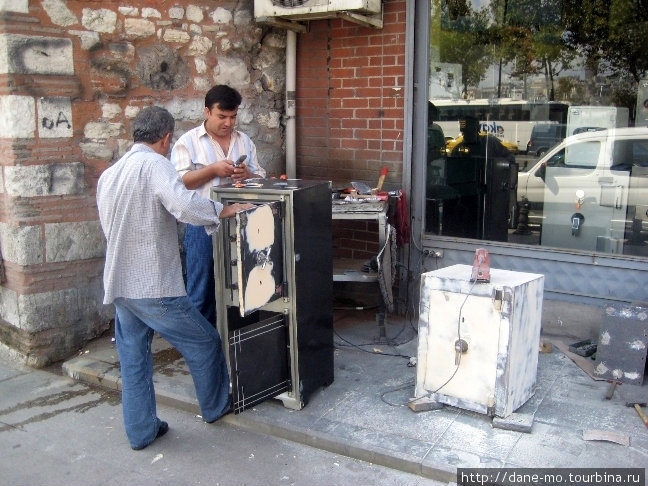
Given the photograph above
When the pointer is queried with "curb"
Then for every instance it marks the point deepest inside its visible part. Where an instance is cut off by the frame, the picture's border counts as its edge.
(106, 375)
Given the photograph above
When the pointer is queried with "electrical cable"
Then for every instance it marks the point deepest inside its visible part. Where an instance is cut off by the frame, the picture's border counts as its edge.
(358, 346)
(407, 384)
(421, 263)
(410, 310)
(458, 361)
(387, 236)
(410, 313)
(401, 332)
(458, 332)
(454, 373)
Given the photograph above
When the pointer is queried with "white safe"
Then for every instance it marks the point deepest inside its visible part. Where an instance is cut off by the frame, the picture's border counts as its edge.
(478, 341)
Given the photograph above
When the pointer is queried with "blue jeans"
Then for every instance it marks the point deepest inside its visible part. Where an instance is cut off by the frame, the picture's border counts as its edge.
(200, 271)
(177, 321)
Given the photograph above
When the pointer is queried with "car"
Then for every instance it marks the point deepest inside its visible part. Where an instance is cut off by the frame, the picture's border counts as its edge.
(545, 136)
(453, 142)
(590, 192)
(587, 129)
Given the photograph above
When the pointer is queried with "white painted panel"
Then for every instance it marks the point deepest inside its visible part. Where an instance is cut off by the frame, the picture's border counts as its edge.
(474, 379)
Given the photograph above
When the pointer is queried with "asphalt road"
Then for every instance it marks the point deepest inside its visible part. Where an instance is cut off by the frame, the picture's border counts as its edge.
(55, 431)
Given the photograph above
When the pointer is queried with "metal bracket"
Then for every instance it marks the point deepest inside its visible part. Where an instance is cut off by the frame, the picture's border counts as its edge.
(497, 299)
(283, 24)
(372, 21)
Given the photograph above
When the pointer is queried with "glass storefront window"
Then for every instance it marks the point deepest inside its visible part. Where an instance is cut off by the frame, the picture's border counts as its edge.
(538, 123)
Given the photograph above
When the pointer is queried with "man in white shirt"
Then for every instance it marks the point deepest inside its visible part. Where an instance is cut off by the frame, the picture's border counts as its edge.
(139, 199)
(205, 157)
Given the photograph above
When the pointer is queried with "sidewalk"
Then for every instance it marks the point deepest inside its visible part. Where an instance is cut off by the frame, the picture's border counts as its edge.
(55, 431)
(364, 413)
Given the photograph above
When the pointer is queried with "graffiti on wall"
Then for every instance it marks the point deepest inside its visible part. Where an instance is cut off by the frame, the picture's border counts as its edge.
(54, 117)
(161, 68)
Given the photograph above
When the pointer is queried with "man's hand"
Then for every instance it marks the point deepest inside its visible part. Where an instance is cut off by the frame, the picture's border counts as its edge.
(224, 168)
(240, 172)
(231, 209)
(196, 178)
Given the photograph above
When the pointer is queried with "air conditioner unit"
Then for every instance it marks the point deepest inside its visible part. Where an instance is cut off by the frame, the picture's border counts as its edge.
(314, 9)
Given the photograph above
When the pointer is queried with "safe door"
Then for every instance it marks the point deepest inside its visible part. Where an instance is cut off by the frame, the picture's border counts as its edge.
(469, 377)
(259, 270)
(258, 362)
(259, 251)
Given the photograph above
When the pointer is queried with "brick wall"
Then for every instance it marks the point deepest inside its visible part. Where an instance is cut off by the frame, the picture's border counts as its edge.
(350, 99)
(73, 74)
(357, 240)
(350, 111)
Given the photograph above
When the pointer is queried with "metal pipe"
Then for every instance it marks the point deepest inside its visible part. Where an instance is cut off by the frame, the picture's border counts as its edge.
(291, 76)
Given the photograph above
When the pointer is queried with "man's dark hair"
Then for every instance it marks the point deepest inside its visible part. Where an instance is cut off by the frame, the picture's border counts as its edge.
(152, 124)
(227, 99)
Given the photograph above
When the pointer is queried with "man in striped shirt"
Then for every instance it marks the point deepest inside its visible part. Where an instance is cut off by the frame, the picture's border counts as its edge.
(140, 198)
(204, 157)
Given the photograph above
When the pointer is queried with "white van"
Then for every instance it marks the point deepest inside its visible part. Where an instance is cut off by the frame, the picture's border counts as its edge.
(591, 118)
(590, 192)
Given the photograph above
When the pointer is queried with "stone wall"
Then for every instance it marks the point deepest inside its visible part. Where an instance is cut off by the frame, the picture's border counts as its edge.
(73, 75)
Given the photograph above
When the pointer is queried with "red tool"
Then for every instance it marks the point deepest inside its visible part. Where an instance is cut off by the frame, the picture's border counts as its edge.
(381, 179)
(481, 266)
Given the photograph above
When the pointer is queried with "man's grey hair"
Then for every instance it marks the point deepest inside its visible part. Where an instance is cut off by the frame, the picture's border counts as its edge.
(152, 124)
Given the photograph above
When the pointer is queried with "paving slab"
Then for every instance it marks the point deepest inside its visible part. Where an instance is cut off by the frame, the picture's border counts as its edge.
(364, 413)
(56, 431)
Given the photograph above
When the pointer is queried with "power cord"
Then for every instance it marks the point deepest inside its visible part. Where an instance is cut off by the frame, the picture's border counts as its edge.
(459, 320)
(407, 384)
(454, 373)
(459, 353)
(359, 347)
